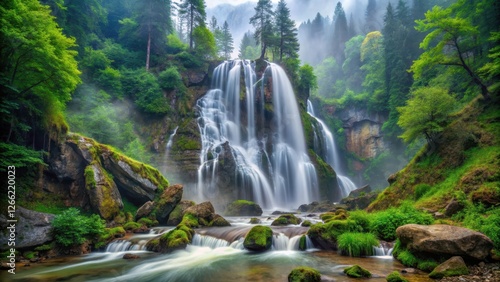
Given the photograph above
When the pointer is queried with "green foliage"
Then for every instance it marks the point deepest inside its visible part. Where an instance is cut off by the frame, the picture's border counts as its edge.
(396, 277)
(484, 220)
(70, 228)
(43, 248)
(307, 79)
(304, 274)
(420, 190)
(143, 87)
(18, 156)
(175, 44)
(357, 244)
(286, 32)
(262, 20)
(384, 223)
(204, 42)
(131, 225)
(188, 60)
(190, 220)
(426, 114)
(286, 219)
(357, 271)
(147, 222)
(170, 79)
(409, 259)
(136, 150)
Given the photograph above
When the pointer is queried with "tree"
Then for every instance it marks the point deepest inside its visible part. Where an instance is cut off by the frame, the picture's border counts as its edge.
(340, 33)
(262, 21)
(194, 12)
(226, 42)
(307, 80)
(248, 47)
(372, 59)
(155, 23)
(204, 42)
(288, 43)
(371, 23)
(426, 114)
(38, 70)
(450, 42)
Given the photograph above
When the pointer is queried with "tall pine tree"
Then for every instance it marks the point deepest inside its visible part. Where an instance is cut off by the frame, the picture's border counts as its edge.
(226, 41)
(287, 43)
(263, 23)
(194, 13)
(340, 33)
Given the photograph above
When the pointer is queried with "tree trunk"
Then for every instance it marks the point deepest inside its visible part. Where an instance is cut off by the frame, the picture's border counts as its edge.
(148, 50)
(191, 28)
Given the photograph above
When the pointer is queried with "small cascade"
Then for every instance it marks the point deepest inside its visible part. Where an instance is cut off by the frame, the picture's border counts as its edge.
(208, 241)
(331, 154)
(118, 246)
(171, 138)
(383, 250)
(272, 169)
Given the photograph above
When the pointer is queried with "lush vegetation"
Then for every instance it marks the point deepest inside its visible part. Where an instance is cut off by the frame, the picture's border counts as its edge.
(70, 228)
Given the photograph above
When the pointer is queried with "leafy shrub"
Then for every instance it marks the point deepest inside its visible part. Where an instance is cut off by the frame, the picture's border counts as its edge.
(486, 221)
(171, 79)
(357, 244)
(71, 228)
(384, 223)
(143, 87)
(362, 220)
(175, 44)
(131, 225)
(18, 156)
(420, 190)
(188, 60)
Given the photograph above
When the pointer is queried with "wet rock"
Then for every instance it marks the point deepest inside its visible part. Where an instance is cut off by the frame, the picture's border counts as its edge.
(453, 207)
(176, 215)
(357, 271)
(360, 191)
(254, 220)
(286, 219)
(144, 210)
(203, 212)
(454, 266)
(258, 239)
(104, 196)
(317, 207)
(444, 240)
(304, 274)
(243, 208)
(175, 239)
(219, 221)
(167, 202)
(360, 202)
(33, 228)
(130, 256)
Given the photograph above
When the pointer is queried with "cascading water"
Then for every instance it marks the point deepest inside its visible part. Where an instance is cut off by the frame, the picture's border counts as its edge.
(331, 153)
(271, 167)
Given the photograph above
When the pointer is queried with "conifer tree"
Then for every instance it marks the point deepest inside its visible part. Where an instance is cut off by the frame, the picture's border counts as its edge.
(340, 33)
(194, 13)
(371, 17)
(226, 41)
(288, 44)
(263, 23)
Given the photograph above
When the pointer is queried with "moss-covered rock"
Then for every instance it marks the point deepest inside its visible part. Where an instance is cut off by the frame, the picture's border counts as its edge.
(219, 221)
(306, 223)
(104, 196)
(286, 219)
(455, 266)
(167, 201)
(357, 271)
(176, 215)
(175, 239)
(259, 238)
(243, 208)
(131, 225)
(203, 212)
(254, 220)
(303, 243)
(190, 220)
(396, 277)
(304, 274)
(325, 234)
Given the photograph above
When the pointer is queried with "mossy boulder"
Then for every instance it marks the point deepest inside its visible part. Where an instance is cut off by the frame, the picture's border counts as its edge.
(455, 266)
(259, 238)
(357, 271)
(396, 277)
(286, 219)
(243, 208)
(190, 220)
(176, 215)
(167, 202)
(145, 210)
(325, 234)
(219, 221)
(306, 223)
(303, 243)
(175, 239)
(104, 196)
(304, 274)
(204, 212)
(254, 220)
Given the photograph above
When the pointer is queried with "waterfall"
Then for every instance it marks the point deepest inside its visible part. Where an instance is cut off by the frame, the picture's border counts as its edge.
(171, 138)
(272, 169)
(331, 153)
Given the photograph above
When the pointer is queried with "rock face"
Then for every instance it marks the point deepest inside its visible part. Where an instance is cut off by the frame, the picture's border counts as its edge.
(363, 132)
(90, 175)
(176, 215)
(455, 266)
(243, 208)
(33, 228)
(444, 240)
(167, 202)
(360, 191)
(144, 210)
(359, 202)
(258, 239)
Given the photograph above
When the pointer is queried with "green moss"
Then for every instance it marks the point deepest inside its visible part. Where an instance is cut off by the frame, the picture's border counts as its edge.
(259, 238)
(89, 177)
(452, 272)
(30, 255)
(306, 223)
(44, 248)
(396, 277)
(286, 219)
(304, 274)
(303, 243)
(111, 233)
(357, 271)
(190, 220)
(357, 244)
(148, 222)
(184, 143)
(131, 225)
(175, 239)
(254, 220)
(243, 207)
(407, 258)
